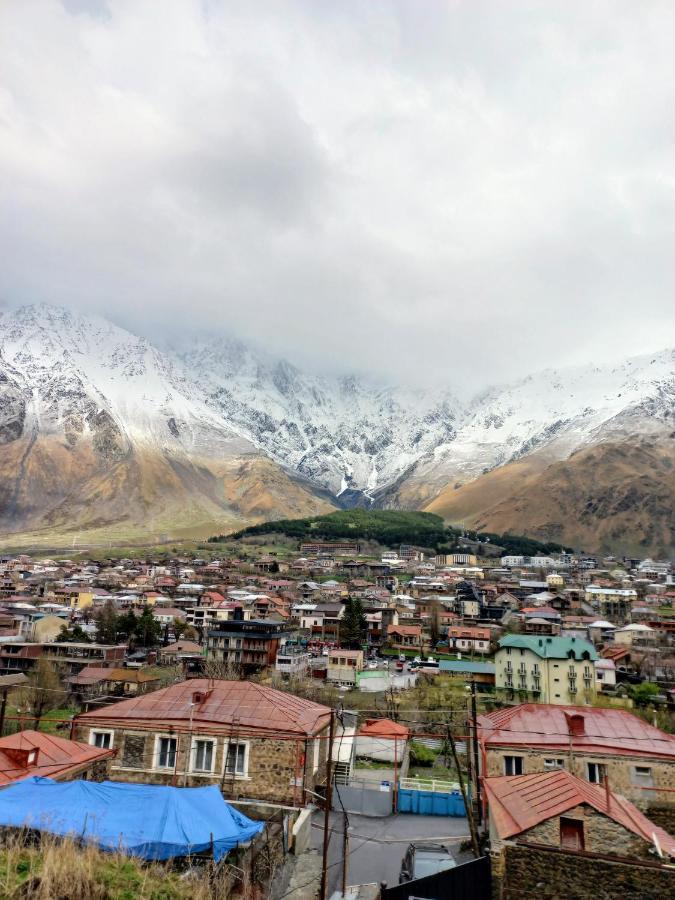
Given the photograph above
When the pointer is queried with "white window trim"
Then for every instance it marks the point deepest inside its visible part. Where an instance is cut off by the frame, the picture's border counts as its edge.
(155, 756)
(110, 731)
(241, 776)
(193, 755)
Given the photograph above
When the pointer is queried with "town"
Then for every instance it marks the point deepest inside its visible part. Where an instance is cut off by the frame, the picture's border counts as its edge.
(375, 719)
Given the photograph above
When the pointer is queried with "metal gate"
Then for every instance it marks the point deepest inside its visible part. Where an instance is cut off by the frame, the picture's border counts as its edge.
(468, 881)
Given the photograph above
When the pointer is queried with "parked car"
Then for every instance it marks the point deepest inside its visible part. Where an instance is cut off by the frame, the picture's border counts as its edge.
(422, 859)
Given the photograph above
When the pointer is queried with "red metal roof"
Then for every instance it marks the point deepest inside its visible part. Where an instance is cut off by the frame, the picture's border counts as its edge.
(384, 728)
(518, 803)
(56, 756)
(226, 704)
(540, 725)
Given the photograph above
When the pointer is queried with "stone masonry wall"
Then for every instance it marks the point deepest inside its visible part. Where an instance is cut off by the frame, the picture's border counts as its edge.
(563, 875)
(619, 768)
(601, 834)
(273, 765)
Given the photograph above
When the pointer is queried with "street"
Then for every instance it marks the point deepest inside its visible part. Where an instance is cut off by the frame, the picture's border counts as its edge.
(377, 845)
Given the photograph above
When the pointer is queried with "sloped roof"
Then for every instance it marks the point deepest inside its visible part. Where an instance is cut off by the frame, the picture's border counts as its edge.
(56, 755)
(518, 803)
(551, 647)
(385, 728)
(546, 726)
(251, 708)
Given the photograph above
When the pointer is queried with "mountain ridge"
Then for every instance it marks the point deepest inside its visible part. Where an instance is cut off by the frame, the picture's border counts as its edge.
(215, 433)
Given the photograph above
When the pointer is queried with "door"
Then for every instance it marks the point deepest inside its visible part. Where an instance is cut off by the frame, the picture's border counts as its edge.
(571, 834)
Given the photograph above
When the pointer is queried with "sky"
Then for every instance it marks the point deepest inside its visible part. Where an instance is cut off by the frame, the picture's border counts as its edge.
(458, 192)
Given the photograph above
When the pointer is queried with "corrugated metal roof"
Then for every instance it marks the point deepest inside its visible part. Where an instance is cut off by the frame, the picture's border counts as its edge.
(56, 755)
(254, 707)
(614, 731)
(518, 803)
(383, 728)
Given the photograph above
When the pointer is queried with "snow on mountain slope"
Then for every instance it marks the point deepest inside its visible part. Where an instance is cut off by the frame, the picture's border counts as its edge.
(555, 411)
(343, 433)
(82, 382)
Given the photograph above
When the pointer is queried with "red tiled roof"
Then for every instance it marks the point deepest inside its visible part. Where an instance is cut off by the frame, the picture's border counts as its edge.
(518, 803)
(540, 725)
(405, 629)
(251, 708)
(56, 756)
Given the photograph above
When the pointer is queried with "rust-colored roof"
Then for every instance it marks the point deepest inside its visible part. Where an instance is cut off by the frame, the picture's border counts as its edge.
(545, 726)
(249, 707)
(414, 630)
(518, 803)
(384, 728)
(56, 756)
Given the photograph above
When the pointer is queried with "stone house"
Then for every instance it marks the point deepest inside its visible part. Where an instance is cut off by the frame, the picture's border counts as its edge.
(588, 742)
(29, 753)
(554, 835)
(252, 741)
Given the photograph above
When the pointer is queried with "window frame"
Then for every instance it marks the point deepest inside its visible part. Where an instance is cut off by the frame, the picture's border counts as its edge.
(197, 739)
(157, 750)
(104, 731)
(513, 762)
(600, 772)
(645, 778)
(226, 748)
(554, 764)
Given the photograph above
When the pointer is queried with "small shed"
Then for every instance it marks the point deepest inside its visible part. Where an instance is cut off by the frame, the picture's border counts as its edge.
(382, 739)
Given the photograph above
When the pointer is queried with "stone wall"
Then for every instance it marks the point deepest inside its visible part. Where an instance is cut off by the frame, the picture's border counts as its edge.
(549, 874)
(276, 769)
(601, 834)
(619, 768)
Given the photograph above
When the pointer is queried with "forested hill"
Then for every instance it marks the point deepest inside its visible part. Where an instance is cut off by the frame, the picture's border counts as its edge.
(389, 528)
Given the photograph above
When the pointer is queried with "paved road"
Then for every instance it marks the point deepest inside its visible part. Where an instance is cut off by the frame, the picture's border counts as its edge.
(376, 846)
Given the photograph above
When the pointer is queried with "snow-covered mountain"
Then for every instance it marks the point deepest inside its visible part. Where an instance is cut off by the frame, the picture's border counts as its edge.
(98, 425)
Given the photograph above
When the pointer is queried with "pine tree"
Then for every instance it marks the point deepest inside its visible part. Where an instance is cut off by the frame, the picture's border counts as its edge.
(353, 627)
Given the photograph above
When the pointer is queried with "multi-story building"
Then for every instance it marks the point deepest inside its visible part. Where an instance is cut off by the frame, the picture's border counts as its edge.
(558, 670)
(612, 603)
(469, 639)
(292, 660)
(251, 645)
(330, 548)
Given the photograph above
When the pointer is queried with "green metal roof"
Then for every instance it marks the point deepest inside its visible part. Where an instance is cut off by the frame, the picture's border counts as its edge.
(550, 647)
(466, 665)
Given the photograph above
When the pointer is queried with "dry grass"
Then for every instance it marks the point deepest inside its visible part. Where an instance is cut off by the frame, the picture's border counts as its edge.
(56, 869)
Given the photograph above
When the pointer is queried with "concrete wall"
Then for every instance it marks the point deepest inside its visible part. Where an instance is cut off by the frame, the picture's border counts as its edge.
(381, 748)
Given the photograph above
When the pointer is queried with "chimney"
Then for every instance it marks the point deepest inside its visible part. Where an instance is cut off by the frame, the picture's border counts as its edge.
(575, 724)
(200, 696)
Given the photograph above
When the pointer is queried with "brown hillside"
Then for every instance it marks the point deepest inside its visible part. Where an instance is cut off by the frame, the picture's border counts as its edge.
(617, 496)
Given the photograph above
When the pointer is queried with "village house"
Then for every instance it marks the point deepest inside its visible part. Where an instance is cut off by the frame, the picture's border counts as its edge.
(252, 741)
(554, 669)
(589, 742)
(611, 603)
(405, 637)
(343, 666)
(469, 639)
(29, 753)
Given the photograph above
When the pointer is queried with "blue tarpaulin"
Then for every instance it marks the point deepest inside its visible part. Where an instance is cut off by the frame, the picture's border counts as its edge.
(149, 821)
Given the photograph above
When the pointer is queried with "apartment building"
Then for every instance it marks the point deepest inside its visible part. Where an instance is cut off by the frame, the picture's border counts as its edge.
(558, 670)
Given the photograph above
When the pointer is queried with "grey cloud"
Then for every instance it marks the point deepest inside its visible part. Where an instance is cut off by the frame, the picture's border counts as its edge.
(423, 191)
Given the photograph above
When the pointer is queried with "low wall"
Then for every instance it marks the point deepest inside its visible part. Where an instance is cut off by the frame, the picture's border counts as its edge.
(550, 873)
(366, 799)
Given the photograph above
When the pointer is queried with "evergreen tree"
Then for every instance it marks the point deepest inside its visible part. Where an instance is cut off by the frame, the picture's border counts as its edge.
(107, 623)
(353, 627)
(148, 629)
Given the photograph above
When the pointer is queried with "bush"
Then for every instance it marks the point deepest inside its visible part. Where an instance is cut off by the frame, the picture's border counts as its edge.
(421, 755)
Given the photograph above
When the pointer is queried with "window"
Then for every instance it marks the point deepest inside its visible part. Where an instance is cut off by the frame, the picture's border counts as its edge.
(595, 772)
(642, 775)
(102, 739)
(202, 756)
(554, 764)
(236, 761)
(166, 752)
(513, 765)
(571, 834)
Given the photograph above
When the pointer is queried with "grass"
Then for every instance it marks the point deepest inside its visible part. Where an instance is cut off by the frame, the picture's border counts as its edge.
(56, 868)
(439, 773)
(373, 764)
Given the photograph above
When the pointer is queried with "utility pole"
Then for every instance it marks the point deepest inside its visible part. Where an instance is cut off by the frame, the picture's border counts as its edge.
(476, 770)
(326, 819)
(3, 707)
(467, 805)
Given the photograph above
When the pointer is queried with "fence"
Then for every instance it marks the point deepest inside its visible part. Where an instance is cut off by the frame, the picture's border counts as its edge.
(469, 881)
(363, 797)
(430, 798)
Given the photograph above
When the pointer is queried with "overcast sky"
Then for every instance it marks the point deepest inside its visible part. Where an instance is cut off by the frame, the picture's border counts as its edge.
(421, 190)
